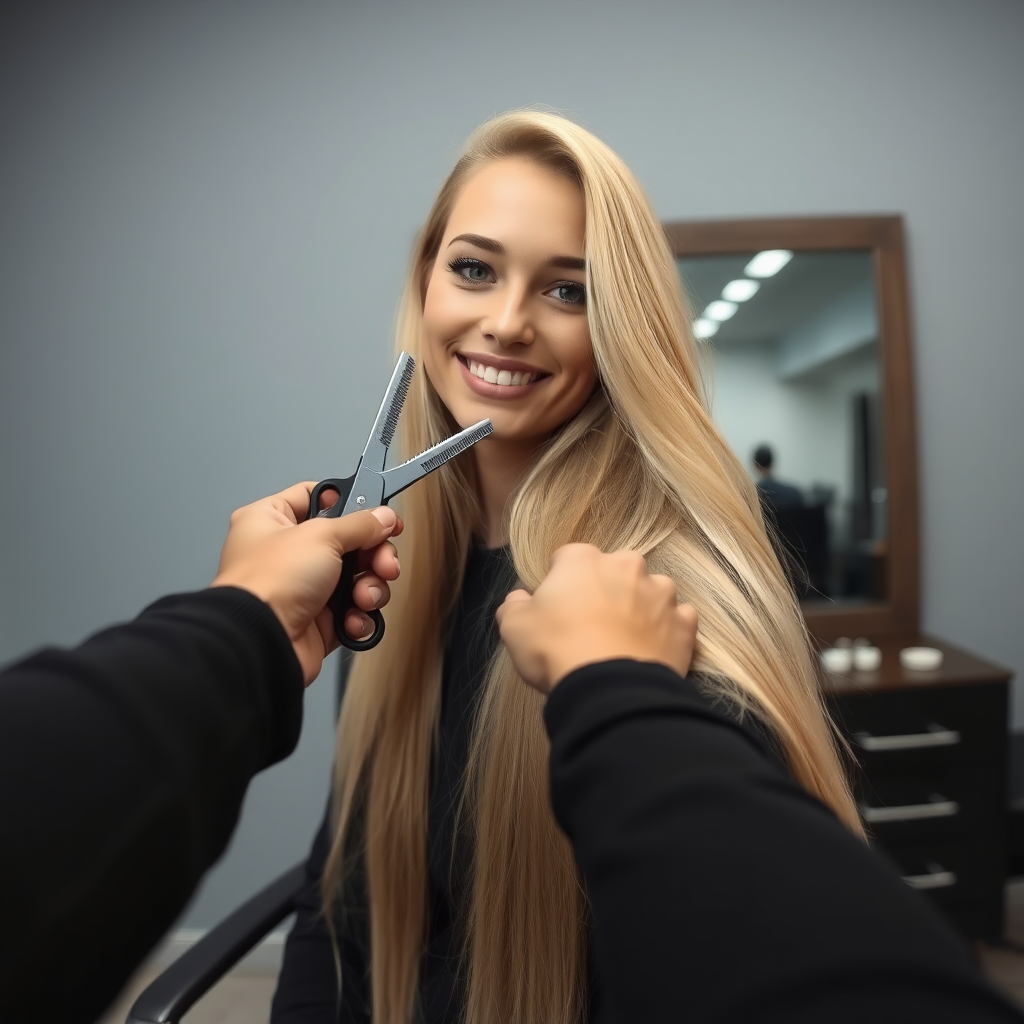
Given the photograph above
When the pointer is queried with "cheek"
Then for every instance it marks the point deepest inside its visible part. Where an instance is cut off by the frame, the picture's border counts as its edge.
(443, 315)
(583, 359)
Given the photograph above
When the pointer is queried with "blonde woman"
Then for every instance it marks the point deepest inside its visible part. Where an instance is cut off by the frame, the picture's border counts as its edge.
(542, 295)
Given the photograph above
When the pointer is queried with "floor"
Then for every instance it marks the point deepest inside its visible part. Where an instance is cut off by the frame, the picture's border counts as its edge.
(243, 997)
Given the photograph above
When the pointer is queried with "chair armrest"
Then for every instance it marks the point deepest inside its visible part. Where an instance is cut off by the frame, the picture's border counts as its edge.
(172, 994)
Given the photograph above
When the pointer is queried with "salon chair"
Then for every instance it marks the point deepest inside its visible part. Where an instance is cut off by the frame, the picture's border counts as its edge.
(196, 971)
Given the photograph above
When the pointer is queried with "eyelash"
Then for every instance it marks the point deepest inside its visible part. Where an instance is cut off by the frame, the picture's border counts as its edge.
(460, 263)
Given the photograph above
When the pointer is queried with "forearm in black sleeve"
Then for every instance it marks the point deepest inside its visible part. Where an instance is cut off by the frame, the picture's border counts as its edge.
(720, 890)
(123, 764)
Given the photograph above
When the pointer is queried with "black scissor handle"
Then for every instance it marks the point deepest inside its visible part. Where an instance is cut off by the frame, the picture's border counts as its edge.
(344, 489)
(341, 600)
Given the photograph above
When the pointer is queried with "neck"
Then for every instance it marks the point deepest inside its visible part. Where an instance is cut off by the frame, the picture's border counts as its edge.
(500, 468)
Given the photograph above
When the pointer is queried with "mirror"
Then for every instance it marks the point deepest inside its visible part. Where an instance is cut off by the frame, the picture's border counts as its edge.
(804, 329)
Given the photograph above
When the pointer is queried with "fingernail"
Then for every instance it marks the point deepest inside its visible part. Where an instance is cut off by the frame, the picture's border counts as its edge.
(365, 627)
(385, 516)
(376, 594)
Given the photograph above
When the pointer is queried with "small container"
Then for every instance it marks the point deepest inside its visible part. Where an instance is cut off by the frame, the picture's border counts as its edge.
(837, 659)
(843, 643)
(921, 659)
(866, 658)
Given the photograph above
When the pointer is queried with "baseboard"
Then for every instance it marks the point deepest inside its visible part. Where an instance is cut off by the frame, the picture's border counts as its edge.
(264, 959)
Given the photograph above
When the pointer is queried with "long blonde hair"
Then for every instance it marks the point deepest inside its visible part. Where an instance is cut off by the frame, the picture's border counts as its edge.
(640, 467)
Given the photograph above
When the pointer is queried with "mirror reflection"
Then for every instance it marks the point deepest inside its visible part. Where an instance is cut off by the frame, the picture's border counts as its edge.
(792, 342)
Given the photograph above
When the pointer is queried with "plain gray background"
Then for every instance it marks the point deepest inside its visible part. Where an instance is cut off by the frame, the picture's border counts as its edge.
(206, 211)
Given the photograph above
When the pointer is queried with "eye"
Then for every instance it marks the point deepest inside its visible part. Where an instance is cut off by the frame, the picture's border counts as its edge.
(569, 293)
(468, 269)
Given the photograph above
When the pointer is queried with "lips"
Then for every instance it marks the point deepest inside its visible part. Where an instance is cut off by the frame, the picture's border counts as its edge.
(505, 373)
(501, 379)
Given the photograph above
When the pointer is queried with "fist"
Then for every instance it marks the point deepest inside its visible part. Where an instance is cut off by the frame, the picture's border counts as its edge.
(595, 607)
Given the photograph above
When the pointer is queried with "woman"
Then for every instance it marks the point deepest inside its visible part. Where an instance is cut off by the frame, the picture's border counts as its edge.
(544, 296)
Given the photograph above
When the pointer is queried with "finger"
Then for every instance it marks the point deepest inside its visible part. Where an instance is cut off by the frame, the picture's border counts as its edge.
(384, 561)
(630, 563)
(573, 552)
(381, 561)
(665, 587)
(329, 497)
(688, 615)
(325, 627)
(364, 529)
(295, 499)
(514, 602)
(357, 625)
(371, 592)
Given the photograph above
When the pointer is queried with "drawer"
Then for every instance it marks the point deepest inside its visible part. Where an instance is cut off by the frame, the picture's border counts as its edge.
(902, 730)
(957, 877)
(943, 801)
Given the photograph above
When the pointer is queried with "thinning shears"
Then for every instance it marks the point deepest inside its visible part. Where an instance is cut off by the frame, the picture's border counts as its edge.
(372, 485)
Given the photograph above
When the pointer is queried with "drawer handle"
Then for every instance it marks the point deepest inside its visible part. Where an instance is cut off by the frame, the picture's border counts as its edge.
(935, 736)
(937, 807)
(936, 878)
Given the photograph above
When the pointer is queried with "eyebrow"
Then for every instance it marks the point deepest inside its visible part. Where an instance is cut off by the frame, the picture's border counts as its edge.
(490, 245)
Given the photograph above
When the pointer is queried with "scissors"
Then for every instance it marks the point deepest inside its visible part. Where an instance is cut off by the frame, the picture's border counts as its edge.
(372, 485)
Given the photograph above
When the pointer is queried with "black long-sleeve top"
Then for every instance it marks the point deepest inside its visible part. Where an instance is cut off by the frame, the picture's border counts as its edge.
(123, 765)
(307, 990)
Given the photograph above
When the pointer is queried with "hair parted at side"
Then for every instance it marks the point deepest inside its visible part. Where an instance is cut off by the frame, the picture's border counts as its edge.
(641, 467)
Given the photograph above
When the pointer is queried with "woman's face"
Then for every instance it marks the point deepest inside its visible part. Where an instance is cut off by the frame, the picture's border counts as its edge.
(505, 332)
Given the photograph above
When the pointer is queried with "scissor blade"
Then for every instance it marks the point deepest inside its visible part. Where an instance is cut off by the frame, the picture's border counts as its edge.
(386, 423)
(396, 480)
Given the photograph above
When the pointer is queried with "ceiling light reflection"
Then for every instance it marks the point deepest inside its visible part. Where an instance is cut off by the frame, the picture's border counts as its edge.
(704, 328)
(720, 310)
(767, 263)
(740, 290)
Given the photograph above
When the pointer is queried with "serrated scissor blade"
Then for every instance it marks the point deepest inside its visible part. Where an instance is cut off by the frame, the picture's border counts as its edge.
(386, 423)
(396, 480)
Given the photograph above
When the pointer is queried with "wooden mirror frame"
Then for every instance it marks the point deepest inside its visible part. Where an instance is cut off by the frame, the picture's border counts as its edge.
(899, 613)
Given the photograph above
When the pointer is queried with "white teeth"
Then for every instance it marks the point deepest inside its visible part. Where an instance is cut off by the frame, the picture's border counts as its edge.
(506, 378)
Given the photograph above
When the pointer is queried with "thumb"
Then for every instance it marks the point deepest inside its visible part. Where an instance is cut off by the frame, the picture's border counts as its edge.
(364, 529)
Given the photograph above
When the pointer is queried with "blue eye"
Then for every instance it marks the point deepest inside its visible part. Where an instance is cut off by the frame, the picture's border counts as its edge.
(474, 271)
(570, 294)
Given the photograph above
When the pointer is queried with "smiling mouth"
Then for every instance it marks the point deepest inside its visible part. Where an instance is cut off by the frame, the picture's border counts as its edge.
(503, 378)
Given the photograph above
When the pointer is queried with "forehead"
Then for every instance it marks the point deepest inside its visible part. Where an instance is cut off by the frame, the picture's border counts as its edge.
(518, 200)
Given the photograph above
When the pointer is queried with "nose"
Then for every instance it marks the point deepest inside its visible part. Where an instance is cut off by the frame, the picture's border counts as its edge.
(508, 319)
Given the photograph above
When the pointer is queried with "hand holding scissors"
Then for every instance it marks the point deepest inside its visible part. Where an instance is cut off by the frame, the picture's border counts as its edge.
(372, 485)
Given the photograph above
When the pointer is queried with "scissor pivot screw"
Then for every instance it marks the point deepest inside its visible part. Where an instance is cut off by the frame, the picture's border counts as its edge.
(361, 500)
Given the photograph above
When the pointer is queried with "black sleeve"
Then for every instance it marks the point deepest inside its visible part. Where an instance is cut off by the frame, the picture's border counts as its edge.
(720, 890)
(123, 764)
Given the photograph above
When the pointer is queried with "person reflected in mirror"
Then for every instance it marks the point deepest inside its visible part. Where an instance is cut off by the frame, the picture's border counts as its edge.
(774, 493)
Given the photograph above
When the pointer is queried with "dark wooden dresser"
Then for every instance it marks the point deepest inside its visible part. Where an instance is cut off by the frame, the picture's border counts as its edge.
(932, 784)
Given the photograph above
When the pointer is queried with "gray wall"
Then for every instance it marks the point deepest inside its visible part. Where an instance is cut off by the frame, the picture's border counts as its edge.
(206, 211)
